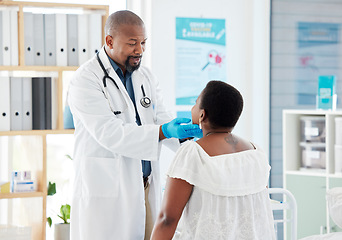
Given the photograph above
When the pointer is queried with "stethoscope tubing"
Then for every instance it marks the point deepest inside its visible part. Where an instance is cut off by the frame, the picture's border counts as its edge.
(145, 101)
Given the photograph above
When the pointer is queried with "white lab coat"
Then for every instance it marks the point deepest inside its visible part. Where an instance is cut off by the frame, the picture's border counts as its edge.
(108, 198)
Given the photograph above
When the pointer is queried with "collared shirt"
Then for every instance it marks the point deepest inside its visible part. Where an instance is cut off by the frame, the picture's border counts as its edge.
(127, 82)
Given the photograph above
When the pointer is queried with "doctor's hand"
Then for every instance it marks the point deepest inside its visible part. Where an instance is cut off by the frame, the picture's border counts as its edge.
(179, 128)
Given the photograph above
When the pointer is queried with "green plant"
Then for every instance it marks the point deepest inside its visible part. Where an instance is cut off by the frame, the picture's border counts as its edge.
(65, 214)
(65, 209)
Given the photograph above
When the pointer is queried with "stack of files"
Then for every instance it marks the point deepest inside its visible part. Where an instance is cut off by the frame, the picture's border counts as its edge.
(89, 36)
(61, 39)
(83, 37)
(44, 103)
(20, 104)
(28, 103)
(34, 39)
(9, 37)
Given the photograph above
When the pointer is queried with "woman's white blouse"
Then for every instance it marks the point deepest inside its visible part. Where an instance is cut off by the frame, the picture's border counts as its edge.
(229, 199)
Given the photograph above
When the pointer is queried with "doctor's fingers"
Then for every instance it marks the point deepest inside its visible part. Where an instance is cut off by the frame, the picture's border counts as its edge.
(182, 120)
(191, 127)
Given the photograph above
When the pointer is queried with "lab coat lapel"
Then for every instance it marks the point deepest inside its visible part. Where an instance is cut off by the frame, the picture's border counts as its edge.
(137, 80)
(112, 73)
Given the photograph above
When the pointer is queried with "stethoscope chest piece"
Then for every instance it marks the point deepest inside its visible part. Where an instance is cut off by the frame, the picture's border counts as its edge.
(145, 102)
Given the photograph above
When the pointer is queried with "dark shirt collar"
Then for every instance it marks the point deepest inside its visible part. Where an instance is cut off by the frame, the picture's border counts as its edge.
(118, 70)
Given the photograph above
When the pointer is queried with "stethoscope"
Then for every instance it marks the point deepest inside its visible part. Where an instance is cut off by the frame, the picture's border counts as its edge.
(144, 101)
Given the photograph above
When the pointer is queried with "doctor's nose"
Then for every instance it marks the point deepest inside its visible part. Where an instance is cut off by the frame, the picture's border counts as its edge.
(139, 49)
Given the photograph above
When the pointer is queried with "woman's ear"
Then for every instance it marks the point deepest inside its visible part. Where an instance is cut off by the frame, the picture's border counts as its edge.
(202, 115)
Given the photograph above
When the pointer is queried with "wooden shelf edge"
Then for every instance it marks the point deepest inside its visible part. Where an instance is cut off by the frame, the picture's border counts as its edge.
(48, 4)
(39, 68)
(37, 132)
(21, 195)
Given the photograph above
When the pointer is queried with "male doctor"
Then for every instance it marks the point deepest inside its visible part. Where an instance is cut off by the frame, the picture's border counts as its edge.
(120, 120)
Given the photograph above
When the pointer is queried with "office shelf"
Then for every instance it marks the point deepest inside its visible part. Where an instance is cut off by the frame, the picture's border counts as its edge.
(35, 155)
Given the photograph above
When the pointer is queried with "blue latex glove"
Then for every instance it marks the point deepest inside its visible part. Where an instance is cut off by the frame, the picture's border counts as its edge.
(198, 134)
(174, 129)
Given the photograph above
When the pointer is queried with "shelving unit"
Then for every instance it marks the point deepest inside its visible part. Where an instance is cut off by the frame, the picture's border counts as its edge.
(309, 187)
(35, 202)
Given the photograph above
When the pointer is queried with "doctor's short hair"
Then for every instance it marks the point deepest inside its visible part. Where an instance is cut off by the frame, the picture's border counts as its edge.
(121, 17)
(222, 104)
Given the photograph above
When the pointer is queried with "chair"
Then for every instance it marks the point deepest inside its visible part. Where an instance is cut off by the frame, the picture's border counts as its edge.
(289, 203)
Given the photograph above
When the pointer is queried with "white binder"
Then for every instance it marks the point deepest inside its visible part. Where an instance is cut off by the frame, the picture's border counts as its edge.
(28, 38)
(14, 37)
(5, 104)
(16, 103)
(27, 103)
(1, 46)
(38, 37)
(61, 40)
(83, 36)
(72, 40)
(50, 39)
(6, 38)
(95, 33)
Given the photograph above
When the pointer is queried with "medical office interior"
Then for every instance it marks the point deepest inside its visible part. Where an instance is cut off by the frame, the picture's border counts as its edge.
(282, 55)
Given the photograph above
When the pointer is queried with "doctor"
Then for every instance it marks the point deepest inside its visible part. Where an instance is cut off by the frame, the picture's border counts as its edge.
(120, 120)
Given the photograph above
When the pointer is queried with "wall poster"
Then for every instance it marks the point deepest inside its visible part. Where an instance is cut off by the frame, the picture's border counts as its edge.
(318, 54)
(200, 56)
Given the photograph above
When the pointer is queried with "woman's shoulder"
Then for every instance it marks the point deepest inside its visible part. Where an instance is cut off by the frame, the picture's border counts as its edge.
(186, 148)
(223, 145)
(185, 161)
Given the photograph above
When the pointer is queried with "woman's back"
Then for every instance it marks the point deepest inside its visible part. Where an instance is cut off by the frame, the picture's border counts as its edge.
(229, 198)
(219, 143)
(216, 187)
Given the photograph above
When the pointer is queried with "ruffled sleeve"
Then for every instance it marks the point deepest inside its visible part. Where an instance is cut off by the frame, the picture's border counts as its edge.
(236, 174)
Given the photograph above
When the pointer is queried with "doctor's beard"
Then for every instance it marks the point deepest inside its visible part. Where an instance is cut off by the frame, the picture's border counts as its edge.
(131, 68)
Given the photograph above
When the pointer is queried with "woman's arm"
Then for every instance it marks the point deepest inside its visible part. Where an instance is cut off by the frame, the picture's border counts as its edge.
(177, 194)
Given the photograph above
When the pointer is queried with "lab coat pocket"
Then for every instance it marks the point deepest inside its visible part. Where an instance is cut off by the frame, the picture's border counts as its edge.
(101, 177)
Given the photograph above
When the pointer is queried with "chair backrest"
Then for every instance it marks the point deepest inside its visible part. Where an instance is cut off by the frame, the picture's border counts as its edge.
(288, 203)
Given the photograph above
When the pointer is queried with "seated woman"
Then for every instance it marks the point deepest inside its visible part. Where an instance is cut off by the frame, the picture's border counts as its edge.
(217, 186)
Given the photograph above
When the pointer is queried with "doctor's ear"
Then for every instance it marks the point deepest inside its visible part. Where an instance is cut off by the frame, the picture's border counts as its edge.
(109, 41)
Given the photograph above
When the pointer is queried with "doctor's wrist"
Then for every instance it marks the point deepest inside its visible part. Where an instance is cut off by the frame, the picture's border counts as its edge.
(161, 134)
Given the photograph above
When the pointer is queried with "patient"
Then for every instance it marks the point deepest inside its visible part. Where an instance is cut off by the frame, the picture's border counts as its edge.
(216, 187)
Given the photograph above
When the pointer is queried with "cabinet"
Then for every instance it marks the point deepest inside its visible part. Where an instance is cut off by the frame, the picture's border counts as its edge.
(28, 149)
(309, 185)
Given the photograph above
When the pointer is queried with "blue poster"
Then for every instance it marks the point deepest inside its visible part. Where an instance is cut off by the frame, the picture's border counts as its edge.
(200, 56)
(318, 54)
